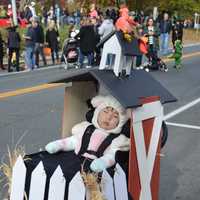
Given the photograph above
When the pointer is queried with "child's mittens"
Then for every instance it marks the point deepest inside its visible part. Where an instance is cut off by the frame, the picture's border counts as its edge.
(98, 165)
(52, 147)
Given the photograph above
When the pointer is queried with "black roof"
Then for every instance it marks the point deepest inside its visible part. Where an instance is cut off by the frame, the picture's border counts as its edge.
(128, 90)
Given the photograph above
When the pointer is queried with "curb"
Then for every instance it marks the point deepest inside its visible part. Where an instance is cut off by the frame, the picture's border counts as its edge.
(2, 74)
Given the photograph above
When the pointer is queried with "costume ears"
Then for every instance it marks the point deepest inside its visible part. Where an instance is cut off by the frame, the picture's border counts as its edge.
(98, 100)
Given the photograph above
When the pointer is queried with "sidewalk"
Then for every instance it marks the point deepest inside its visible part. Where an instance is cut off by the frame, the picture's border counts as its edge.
(61, 65)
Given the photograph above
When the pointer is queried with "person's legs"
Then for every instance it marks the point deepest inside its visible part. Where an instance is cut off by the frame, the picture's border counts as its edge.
(10, 52)
(36, 51)
(52, 56)
(1, 62)
(57, 56)
(28, 60)
(90, 58)
(138, 61)
(41, 52)
(17, 59)
(81, 58)
(162, 42)
(165, 43)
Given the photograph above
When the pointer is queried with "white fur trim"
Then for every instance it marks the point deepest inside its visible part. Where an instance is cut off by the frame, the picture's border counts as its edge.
(80, 128)
(101, 102)
(96, 101)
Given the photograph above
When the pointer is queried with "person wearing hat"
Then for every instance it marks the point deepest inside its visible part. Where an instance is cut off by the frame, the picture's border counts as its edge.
(104, 126)
(39, 42)
(30, 38)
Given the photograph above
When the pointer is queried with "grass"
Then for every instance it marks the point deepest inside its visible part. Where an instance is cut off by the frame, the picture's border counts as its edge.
(191, 36)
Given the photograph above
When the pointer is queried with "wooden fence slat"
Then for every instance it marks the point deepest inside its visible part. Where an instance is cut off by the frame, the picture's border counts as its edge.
(57, 185)
(76, 188)
(107, 186)
(120, 184)
(38, 182)
(18, 180)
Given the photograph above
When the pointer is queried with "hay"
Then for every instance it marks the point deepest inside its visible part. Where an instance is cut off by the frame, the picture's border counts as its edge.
(6, 167)
(92, 185)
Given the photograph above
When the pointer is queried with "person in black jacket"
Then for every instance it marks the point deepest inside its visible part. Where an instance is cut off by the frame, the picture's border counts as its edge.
(1, 52)
(87, 40)
(52, 39)
(13, 48)
(39, 43)
(177, 31)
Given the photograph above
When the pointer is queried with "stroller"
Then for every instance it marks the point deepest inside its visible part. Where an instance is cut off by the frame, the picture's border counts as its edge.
(156, 64)
(70, 51)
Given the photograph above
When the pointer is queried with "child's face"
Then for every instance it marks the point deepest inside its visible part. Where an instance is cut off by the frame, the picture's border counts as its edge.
(108, 118)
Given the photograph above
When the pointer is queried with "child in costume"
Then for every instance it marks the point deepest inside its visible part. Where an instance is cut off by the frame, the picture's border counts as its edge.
(177, 55)
(97, 141)
(94, 146)
(126, 24)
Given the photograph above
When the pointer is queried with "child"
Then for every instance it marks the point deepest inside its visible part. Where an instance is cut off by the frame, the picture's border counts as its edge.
(177, 55)
(88, 138)
(93, 147)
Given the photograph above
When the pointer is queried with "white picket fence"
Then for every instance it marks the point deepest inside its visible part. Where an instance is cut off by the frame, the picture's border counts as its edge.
(112, 188)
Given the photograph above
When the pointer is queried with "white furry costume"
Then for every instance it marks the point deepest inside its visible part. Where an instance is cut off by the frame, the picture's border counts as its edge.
(120, 141)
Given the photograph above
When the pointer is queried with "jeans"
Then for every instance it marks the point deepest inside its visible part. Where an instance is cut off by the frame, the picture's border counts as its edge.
(54, 52)
(90, 57)
(164, 40)
(29, 57)
(110, 59)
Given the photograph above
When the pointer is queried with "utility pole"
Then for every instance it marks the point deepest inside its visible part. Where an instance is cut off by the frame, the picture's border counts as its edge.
(14, 11)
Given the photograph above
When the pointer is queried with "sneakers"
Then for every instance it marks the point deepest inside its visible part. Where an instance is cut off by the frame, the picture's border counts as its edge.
(88, 66)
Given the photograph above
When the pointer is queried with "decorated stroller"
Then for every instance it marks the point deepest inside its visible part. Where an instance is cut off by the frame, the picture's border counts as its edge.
(70, 51)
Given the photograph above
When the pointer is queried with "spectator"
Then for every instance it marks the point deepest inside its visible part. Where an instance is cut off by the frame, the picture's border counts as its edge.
(9, 11)
(32, 9)
(52, 39)
(30, 38)
(27, 13)
(106, 27)
(107, 12)
(165, 28)
(152, 32)
(177, 31)
(39, 43)
(13, 47)
(3, 13)
(93, 12)
(51, 14)
(77, 16)
(57, 15)
(1, 52)
(87, 42)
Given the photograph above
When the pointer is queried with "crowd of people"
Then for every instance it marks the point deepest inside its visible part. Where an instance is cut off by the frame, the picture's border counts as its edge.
(92, 28)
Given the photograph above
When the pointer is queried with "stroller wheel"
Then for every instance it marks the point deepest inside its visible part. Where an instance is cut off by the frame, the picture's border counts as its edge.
(166, 69)
(146, 69)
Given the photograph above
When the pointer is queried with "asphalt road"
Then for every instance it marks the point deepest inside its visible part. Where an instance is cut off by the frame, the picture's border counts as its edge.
(34, 119)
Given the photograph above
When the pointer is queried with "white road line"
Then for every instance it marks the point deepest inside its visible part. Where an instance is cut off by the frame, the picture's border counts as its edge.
(183, 125)
(181, 109)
